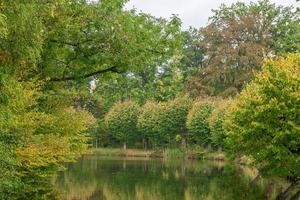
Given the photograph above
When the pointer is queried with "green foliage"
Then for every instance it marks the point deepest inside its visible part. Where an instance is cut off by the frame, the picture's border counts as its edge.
(216, 121)
(3, 26)
(8, 179)
(192, 54)
(264, 122)
(149, 123)
(121, 120)
(198, 123)
(162, 122)
(156, 82)
(174, 117)
(88, 37)
(74, 39)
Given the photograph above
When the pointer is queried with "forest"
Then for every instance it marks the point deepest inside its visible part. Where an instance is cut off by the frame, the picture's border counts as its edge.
(76, 75)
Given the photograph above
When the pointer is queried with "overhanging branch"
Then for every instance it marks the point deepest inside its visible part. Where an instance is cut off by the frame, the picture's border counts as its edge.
(69, 78)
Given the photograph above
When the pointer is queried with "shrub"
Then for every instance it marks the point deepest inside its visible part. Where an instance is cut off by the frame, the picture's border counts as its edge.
(121, 121)
(197, 123)
(264, 122)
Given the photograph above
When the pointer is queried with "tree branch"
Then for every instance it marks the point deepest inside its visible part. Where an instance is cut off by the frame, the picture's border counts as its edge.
(69, 78)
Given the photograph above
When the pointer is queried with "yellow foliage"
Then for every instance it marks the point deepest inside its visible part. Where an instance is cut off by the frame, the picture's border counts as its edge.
(43, 151)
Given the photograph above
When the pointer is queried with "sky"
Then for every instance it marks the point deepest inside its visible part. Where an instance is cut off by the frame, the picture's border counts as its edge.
(192, 12)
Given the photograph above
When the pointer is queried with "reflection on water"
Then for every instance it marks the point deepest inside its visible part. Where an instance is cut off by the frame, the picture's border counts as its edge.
(93, 177)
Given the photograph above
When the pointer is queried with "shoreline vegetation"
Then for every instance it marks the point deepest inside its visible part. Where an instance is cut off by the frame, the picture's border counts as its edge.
(176, 153)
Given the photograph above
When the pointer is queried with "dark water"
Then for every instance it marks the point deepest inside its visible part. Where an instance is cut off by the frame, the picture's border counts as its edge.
(94, 177)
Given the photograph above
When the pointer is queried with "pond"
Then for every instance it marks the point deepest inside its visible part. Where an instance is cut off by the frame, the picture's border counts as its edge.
(95, 177)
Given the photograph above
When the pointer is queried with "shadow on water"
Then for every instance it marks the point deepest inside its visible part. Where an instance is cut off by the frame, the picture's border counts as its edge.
(94, 177)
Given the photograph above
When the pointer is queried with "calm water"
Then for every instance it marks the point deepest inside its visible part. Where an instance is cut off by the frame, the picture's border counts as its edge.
(98, 178)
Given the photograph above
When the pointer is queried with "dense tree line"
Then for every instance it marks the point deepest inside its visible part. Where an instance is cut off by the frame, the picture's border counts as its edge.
(176, 123)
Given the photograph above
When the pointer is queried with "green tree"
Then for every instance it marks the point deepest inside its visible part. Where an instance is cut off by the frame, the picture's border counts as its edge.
(192, 53)
(149, 123)
(73, 40)
(121, 121)
(103, 37)
(174, 118)
(216, 121)
(264, 121)
(198, 123)
(162, 122)
(158, 82)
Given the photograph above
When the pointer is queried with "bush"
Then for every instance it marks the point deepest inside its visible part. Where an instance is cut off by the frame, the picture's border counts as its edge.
(121, 121)
(216, 124)
(264, 122)
(197, 123)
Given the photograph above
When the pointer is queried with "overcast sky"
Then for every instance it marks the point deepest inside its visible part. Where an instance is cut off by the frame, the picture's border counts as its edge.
(192, 12)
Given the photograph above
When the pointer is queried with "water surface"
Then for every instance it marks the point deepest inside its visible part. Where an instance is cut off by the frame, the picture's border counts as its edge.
(98, 178)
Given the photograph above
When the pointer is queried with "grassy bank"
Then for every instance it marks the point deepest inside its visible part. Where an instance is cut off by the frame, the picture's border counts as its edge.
(192, 154)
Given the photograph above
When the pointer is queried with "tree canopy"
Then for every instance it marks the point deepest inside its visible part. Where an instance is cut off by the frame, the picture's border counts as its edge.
(238, 39)
(264, 121)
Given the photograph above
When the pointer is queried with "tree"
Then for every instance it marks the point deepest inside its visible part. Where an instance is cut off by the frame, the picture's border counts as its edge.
(35, 143)
(159, 83)
(174, 118)
(121, 121)
(80, 39)
(197, 123)
(162, 122)
(149, 123)
(216, 121)
(103, 37)
(264, 121)
(192, 53)
(192, 61)
(238, 39)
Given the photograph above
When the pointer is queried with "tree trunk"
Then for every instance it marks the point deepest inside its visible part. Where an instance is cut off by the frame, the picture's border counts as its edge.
(255, 180)
(296, 196)
(284, 195)
(124, 146)
(183, 143)
(145, 144)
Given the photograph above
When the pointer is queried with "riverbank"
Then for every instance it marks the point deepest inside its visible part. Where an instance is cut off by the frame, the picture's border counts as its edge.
(190, 154)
